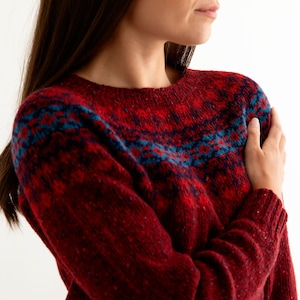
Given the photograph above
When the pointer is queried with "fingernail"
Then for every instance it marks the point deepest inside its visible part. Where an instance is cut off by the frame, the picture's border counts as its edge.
(254, 122)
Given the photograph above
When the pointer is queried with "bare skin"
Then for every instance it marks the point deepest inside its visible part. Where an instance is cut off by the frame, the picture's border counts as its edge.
(265, 165)
(134, 58)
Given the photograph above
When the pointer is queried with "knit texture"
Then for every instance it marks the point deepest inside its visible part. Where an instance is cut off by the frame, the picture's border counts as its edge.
(143, 193)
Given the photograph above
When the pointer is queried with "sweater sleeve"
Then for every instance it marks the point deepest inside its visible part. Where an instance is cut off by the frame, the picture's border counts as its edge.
(106, 238)
(282, 278)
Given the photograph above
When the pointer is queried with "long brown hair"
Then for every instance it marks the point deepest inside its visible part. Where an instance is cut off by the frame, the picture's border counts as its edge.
(67, 34)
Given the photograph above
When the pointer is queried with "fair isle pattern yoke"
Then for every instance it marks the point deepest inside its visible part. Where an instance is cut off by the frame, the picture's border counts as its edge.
(143, 193)
(218, 143)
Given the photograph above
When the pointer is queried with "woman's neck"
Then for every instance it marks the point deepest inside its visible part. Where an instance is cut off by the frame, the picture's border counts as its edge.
(130, 61)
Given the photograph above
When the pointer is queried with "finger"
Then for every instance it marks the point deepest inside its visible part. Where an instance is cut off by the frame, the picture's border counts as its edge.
(253, 133)
(282, 142)
(282, 148)
(275, 117)
(284, 157)
(277, 124)
(275, 132)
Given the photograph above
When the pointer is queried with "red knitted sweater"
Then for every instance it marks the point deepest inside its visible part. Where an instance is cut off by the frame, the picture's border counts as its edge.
(143, 193)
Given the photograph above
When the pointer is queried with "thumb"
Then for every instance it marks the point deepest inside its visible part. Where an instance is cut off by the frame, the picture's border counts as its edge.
(253, 134)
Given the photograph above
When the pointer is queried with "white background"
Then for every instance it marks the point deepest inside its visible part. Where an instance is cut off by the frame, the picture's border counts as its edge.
(259, 38)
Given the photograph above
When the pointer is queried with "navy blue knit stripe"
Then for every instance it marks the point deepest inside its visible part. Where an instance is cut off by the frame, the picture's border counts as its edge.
(61, 118)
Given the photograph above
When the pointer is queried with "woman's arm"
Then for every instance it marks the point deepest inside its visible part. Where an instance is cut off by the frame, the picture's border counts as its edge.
(265, 167)
(108, 240)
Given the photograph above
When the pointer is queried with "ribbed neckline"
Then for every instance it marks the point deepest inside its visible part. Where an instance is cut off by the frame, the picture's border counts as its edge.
(135, 96)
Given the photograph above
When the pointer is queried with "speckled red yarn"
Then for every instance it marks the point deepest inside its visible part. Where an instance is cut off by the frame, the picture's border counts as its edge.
(143, 194)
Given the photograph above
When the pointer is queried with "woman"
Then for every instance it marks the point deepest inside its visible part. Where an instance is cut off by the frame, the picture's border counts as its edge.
(131, 167)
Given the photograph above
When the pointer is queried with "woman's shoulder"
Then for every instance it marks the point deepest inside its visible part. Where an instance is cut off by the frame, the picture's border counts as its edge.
(52, 95)
(49, 110)
(230, 87)
(56, 101)
(223, 78)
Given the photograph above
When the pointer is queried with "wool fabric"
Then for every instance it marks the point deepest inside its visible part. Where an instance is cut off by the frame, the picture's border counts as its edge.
(143, 193)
